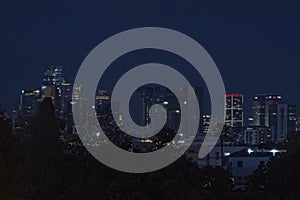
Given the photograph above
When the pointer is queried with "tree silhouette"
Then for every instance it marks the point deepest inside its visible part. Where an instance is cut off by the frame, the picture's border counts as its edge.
(44, 173)
(54, 173)
(280, 178)
(12, 164)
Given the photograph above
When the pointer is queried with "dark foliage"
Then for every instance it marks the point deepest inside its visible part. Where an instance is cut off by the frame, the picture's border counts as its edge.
(280, 179)
(12, 164)
(54, 174)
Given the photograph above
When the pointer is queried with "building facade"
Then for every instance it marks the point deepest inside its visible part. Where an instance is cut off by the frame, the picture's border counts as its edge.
(234, 110)
(26, 111)
(271, 111)
(256, 135)
(292, 118)
(260, 108)
(147, 96)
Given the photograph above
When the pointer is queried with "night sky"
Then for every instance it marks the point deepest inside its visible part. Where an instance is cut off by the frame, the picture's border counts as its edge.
(255, 45)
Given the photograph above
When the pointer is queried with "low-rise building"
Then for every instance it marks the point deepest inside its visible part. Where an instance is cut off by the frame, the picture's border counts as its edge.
(243, 163)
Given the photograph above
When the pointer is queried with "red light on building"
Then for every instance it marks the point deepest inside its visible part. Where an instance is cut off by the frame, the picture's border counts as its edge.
(237, 95)
(234, 95)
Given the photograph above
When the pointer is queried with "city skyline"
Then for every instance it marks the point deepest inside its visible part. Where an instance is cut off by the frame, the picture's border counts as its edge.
(247, 107)
(267, 109)
(149, 100)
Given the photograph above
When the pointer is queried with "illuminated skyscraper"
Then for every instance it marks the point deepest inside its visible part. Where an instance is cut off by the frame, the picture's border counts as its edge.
(278, 122)
(206, 123)
(26, 111)
(298, 124)
(144, 98)
(55, 86)
(269, 110)
(102, 104)
(65, 98)
(148, 96)
(292, 118)
(52, 85)
(260, 108)
(257, 135)
(54, 75)
(29, 102)
(234, 110)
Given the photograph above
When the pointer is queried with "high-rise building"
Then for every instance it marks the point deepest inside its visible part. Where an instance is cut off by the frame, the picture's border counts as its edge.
(102, 104)
(54, 75)
(234, 110)
(147, 96)
(278, 122)
(26, 111)
(29, 102)
(257, 135)
(260, 108)
(55, 86)
(52, 85)
(269, 110)
(199, 91)
(298, 124)
(292, 118)
(206, 123)
(64, 99)
(186, 93)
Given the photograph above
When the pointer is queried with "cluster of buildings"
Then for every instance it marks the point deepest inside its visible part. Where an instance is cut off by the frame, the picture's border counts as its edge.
(245, 144)
(271, 121)
(53, 86)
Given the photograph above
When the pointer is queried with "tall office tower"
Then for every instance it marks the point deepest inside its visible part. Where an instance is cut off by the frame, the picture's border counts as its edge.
(26, 111)
(269, 110)
(234, 110)
(298, 124)
(199, 91)
(54, 75)
(206, 123)
(29, 102)
(147, 96)
(65, 98)
(278, 122)
(55, 87)
(292, 118)
(174, 108)
(102, 104)
(257, 135)
(260, 108)
(51, 85)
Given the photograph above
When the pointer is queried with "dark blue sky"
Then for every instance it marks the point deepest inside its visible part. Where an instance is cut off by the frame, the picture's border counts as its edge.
(255, 45)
